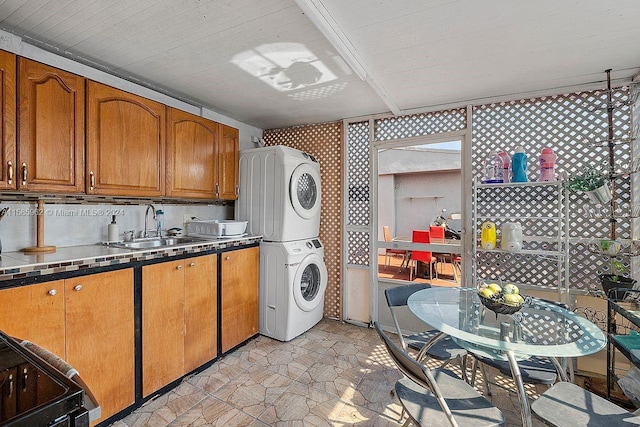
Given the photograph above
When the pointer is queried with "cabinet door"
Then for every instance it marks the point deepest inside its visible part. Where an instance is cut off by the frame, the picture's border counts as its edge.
(8, 121)
(35, 313)
(228, 163)
(200, 288)
(100, 336)
(51, 128)
(125, 143)
(191, 144)
(239, 296)
(162, 324)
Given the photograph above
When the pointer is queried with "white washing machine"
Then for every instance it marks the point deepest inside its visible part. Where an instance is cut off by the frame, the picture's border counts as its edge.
(293, 278)
(279, 193)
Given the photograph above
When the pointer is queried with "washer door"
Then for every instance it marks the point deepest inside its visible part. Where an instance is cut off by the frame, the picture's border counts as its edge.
(310, 282)
(304, 191)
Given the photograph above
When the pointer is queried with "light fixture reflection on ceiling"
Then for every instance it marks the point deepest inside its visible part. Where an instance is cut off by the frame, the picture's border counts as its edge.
(284, 66)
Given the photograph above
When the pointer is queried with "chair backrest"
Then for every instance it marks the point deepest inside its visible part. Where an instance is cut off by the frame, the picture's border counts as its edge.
(421, 236)
(385, 231)
(415, 371)
(397, 297)
(436, 233)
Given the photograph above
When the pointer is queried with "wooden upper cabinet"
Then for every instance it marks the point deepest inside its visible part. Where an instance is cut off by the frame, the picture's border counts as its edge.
(50, 129)
(125, 143)
(228, 163)
(8, 121)
(191, 145)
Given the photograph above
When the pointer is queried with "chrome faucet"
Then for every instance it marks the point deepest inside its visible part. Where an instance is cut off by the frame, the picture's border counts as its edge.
(146, 214)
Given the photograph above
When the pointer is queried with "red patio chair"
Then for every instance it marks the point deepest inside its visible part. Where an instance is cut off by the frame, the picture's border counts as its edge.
(422, 236)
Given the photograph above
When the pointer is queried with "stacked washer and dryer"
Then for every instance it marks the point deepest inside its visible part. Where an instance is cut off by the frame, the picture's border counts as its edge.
(280, 198)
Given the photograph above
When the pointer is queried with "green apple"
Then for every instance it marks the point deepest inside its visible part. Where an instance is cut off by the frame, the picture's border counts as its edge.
(510, 288)
(495, 288)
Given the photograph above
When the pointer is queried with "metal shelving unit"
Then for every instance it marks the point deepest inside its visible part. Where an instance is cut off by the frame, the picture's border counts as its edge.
(542, 209)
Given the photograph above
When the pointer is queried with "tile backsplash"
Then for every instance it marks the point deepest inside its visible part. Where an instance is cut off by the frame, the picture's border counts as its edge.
(83, 224)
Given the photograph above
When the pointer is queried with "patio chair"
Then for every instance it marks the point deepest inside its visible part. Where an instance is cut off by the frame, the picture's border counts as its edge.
(444, 349)
(391, 252)
(422, 236)
(567, 405)
(436, 235)
(438, 397)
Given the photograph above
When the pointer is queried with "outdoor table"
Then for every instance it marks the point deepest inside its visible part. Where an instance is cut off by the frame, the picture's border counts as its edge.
(540, 328)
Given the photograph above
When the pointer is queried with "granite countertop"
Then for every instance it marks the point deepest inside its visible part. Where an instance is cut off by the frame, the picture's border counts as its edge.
(15, 265)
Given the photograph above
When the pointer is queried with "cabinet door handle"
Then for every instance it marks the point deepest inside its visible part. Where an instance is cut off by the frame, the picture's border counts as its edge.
(25, 379)
(217, 189)
(92, 180)
(52, 292)
(179, 267)
(227, 258)
(193, 264)
(77, 288)
(9, 172)
(24, 174)
(10, 385)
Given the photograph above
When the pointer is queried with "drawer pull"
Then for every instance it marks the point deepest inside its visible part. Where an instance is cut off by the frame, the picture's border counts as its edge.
(92, 180)
(52, 292)
(24, 174)
(179, 267)
(77, 287)
(193, 264)
(227, 258)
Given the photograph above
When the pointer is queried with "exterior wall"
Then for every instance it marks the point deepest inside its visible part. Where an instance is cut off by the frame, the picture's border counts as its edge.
(324, 142)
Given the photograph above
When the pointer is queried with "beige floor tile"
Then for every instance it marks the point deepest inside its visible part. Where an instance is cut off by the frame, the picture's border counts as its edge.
(334, 375)
(295, 363)
(214, 412)
(254, 390)
(219, 374)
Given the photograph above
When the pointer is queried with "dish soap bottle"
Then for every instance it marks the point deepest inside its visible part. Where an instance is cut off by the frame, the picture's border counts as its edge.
(159, 220)
(113, 232)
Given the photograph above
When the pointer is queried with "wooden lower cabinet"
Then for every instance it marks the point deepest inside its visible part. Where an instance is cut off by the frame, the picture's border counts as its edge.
(35, 313)
(100, 336)
(178, 319)
(239, 296)
(89, 322)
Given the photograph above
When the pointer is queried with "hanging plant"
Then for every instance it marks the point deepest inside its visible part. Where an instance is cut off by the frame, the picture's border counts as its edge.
(593, 181)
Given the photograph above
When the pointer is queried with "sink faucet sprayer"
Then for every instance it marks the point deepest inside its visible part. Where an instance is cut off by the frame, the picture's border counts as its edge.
(146, 214)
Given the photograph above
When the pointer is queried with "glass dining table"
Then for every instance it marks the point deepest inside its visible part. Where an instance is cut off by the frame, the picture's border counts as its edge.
(540, 328)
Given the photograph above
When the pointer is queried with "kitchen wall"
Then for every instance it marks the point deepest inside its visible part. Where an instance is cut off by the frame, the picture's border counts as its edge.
(82, 224)
(72, 224)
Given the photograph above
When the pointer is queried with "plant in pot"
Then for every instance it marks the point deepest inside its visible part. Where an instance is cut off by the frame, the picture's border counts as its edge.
(616, 278)
(593, 182)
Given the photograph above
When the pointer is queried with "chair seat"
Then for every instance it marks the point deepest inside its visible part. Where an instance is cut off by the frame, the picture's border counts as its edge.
(469, 408)
(534, 370)
(444, 349)
(566, 404)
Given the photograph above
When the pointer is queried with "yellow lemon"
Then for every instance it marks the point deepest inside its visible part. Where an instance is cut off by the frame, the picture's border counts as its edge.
(495, 288)
(487, 292)
(513, 299)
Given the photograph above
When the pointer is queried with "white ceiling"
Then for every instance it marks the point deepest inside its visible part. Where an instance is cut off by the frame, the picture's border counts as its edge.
(265, 63)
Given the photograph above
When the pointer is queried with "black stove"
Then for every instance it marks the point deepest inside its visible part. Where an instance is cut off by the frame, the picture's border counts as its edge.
(33, 393)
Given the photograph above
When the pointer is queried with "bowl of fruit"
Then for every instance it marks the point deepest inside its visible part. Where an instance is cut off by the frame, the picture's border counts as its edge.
(501, 299)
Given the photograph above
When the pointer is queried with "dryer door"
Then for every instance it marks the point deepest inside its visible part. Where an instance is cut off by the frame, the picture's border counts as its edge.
(304, 191)
(310, 282)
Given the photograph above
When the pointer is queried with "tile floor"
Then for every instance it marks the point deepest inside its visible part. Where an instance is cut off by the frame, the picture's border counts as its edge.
(336, 374)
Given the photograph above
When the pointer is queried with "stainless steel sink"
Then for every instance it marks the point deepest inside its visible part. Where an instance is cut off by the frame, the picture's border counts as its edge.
(156, 242)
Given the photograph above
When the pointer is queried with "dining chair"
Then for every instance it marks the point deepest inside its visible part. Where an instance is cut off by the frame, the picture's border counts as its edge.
(391, 252)
(444, 349)
(436, 235)
(568, 405)
(438, 397)
(422, 236)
